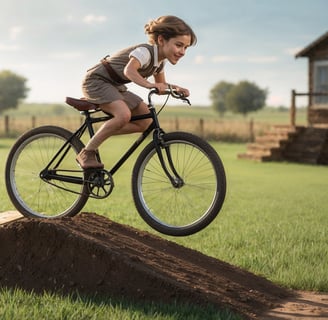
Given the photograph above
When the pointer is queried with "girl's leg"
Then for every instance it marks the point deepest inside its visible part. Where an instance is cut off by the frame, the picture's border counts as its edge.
(121, 116)
(136, 126)
(119, 124)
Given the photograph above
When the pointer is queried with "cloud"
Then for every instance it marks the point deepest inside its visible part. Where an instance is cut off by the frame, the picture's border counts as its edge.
(8, 47)
(199, 59)
(69, 18)
(14, 32)
(93, 19)
(292, 51)
(66, 55)
(250, 59)
(262, 59)
(218, 59)
(11, 45)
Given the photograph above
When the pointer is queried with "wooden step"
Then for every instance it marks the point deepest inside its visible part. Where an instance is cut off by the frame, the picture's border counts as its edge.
(287, 128)
(269, 138)
(8, 216)
(262, 147)
(250, 156)
(297, 144)
(261, 155)
(258, 157)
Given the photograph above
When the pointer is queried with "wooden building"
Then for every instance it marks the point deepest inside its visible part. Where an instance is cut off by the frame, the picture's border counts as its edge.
(306, 144)
(317, 54)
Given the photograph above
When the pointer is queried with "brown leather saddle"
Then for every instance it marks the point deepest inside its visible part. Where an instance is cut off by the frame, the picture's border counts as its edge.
(81, 104)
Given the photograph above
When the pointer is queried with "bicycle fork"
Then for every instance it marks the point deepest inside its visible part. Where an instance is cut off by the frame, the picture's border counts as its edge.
(168, 166)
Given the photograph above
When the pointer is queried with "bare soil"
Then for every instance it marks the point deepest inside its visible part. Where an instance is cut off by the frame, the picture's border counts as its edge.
(93, 255)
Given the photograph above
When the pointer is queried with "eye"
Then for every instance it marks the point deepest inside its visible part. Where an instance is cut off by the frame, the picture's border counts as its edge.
(181, 45)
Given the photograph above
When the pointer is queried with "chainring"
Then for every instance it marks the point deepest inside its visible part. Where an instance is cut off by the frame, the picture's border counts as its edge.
(99, 183)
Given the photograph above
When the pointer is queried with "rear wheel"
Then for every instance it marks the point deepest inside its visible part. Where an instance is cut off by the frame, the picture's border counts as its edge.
(33, 194)
(193, 199)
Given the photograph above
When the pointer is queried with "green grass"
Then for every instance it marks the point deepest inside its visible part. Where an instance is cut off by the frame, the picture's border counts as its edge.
(273, 223)
(16, 304)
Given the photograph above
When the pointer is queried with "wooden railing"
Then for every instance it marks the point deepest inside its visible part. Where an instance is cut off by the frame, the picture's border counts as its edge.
(293, 103)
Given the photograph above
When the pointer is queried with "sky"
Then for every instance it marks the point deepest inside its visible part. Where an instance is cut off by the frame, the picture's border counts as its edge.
(53, 43)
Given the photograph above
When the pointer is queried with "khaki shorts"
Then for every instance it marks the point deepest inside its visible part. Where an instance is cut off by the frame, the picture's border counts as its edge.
(99, 91)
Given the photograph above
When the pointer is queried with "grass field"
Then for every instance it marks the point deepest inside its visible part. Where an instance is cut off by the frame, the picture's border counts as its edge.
(273, 223)
(16, 304)
(274, 220)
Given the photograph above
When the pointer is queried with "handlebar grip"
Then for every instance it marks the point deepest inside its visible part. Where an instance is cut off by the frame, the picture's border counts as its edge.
(179, 95)
(153, 90)
(174, 93)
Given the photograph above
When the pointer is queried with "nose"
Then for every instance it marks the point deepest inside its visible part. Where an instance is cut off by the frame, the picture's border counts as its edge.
(182, 51)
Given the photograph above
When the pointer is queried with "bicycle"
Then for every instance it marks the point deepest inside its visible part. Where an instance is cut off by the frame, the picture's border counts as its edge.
(178, 180)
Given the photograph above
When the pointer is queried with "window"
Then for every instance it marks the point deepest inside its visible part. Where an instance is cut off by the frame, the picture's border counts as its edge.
(321, 81)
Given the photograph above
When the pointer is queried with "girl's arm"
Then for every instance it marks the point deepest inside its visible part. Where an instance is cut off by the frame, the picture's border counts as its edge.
(131, 72)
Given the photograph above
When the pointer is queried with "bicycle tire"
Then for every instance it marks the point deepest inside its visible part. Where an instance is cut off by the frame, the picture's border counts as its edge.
(184, 210)
(30, 194)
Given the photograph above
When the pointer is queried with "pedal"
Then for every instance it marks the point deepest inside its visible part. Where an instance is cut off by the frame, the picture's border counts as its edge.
(99, 182)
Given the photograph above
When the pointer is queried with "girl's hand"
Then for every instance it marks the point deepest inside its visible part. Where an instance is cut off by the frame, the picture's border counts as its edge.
(161, 87)
(184, 91)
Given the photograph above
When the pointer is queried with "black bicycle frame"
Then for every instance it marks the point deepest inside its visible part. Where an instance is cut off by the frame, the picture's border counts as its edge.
(176, 181)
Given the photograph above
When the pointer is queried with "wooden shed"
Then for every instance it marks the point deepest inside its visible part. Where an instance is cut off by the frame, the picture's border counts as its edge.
(306, 144)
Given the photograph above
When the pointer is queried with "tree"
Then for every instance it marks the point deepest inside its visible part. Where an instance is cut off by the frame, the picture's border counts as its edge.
(218, 96)
(12, 89)
(246, 97)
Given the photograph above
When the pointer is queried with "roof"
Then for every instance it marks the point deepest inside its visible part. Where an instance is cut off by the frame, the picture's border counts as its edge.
(312, 46)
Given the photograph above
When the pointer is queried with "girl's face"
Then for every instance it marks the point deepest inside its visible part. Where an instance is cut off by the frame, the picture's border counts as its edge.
(174, 48)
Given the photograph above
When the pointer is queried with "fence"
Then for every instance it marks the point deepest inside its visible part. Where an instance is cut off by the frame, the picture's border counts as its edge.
(211, 129)
(293, 108)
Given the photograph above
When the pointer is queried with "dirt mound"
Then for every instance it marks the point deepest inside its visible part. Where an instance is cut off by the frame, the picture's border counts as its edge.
(91, 254)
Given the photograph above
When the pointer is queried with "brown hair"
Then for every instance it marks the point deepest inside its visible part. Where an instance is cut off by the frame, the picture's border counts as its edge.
(168, 27)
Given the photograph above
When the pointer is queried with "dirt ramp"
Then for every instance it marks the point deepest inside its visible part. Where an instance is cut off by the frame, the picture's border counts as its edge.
(91, 254)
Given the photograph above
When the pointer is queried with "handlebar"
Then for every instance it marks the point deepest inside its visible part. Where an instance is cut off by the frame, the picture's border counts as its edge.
(170, 91)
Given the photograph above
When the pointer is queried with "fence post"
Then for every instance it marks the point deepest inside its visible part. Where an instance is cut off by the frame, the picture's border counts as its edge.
(201, 127)
(293, 109)
(176, 123)
(33, 121)
(251, 130)
(6, 125)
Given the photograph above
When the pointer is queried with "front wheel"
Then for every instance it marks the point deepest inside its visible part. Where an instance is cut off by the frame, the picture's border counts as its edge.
(193, 199)
(31, 193)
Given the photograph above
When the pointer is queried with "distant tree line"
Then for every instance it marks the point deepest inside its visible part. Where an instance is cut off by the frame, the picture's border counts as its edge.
(12, 89)
(242, 97)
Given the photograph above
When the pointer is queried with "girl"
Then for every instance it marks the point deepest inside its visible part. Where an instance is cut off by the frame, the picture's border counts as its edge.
(169, 37)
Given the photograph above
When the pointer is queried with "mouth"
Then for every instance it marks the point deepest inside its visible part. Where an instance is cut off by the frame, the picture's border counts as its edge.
(177, 58)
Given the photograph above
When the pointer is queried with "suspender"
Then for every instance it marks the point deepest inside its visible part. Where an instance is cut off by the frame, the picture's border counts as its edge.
(112, 73)
(118, 79)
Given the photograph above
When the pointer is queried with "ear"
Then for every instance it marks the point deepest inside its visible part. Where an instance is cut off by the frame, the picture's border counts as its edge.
(160, 40)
